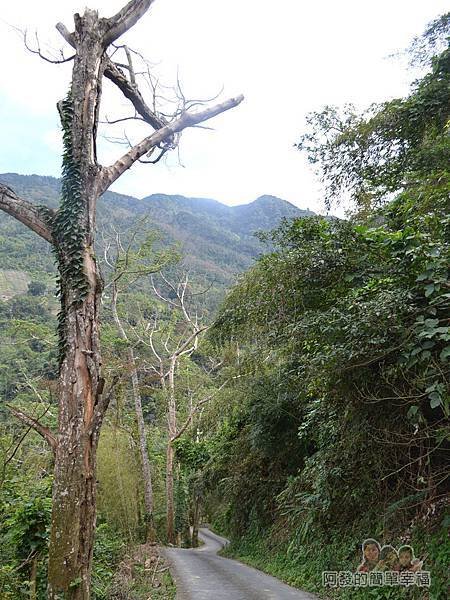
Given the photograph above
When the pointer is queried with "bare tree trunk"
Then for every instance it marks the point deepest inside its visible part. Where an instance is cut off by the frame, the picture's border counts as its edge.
(80, 407)
(80, 415)
(145, 462)
(146, 473)
(172, 430)
(169, 494)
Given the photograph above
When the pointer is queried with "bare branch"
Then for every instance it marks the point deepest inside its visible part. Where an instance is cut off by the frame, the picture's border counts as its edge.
(169, 284)
(132, 93)
(103, 400)
(186, 347)
(160, 296)
(39, 53)
(130, 66)
(152, 345)
(110, 174)
(69, 37)
(155, 160)
(45, 432)
(200, 403)
(121, 120)
(18, 444)
(195, 409)
(205, 127)
(25, 212)
(125, 19)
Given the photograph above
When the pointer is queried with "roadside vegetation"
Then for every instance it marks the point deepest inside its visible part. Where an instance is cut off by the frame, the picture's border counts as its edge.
(337, 430)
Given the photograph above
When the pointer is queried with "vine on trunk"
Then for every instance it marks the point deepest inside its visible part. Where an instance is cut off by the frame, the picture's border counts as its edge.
(69, 230)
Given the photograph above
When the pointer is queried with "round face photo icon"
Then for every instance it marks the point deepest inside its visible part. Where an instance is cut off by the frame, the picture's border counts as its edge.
(407, 561)
(388, 559)
(371, 555)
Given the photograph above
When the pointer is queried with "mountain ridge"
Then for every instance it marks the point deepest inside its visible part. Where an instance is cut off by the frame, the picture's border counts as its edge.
(55, 182)
(217, 240)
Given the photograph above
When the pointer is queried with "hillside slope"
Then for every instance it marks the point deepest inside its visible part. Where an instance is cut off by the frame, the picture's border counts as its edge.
(217, 241)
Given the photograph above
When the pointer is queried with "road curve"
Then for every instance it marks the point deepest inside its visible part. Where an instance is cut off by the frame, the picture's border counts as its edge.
(200, 574)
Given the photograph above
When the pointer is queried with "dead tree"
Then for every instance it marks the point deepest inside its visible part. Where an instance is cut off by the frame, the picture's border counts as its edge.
(173, 346)
(169, 341)
(128, 266)
(70, 230)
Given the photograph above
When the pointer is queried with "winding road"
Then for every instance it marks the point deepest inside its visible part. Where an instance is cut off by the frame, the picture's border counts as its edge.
(200, 574)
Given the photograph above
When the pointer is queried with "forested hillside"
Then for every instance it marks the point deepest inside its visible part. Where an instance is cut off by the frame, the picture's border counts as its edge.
(290, 389)
(216, 241)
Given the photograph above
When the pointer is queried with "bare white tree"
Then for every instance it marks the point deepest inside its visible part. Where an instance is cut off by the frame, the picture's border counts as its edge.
(128, 265)
(166, 357)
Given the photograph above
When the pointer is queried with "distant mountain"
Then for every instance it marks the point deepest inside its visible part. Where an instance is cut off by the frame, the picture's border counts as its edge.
(217, 241)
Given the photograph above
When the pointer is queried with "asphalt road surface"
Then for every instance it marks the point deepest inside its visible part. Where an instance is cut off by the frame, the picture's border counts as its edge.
(200, 574)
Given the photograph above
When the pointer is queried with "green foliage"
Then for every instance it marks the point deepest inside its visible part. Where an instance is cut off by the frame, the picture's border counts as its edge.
(301, 565)
(36, 288)
(135, 580)
(27, 348)
(338, 427)
(25, 308)
(431, 43)
(329, 323)
(68, 228)
(181, 501)
(24, 531)
(108, 550)
(119, 490)
(438, 548)
(28, 522)
(192, 454)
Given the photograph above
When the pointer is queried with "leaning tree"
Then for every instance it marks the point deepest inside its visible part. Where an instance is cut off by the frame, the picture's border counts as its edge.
(70, 230)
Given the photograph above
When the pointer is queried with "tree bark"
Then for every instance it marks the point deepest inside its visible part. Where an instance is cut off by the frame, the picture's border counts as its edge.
(25, 212)
(74, 497)
(170, 511)
(80, 406)
(145, 462)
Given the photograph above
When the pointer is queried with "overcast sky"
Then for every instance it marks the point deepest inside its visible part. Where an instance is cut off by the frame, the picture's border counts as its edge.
(287, 57)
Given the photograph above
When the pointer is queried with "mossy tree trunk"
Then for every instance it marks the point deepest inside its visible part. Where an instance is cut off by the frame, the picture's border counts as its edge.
(81, 407)
(70, 230)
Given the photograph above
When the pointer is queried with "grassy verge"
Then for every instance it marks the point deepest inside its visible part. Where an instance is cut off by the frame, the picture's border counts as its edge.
(254, 551)
(301, 565)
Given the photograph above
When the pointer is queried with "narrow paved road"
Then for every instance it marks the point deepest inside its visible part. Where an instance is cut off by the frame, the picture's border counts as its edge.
(202, 575)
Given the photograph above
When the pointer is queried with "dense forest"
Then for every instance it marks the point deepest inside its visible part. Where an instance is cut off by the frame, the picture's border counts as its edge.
(299, 410)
